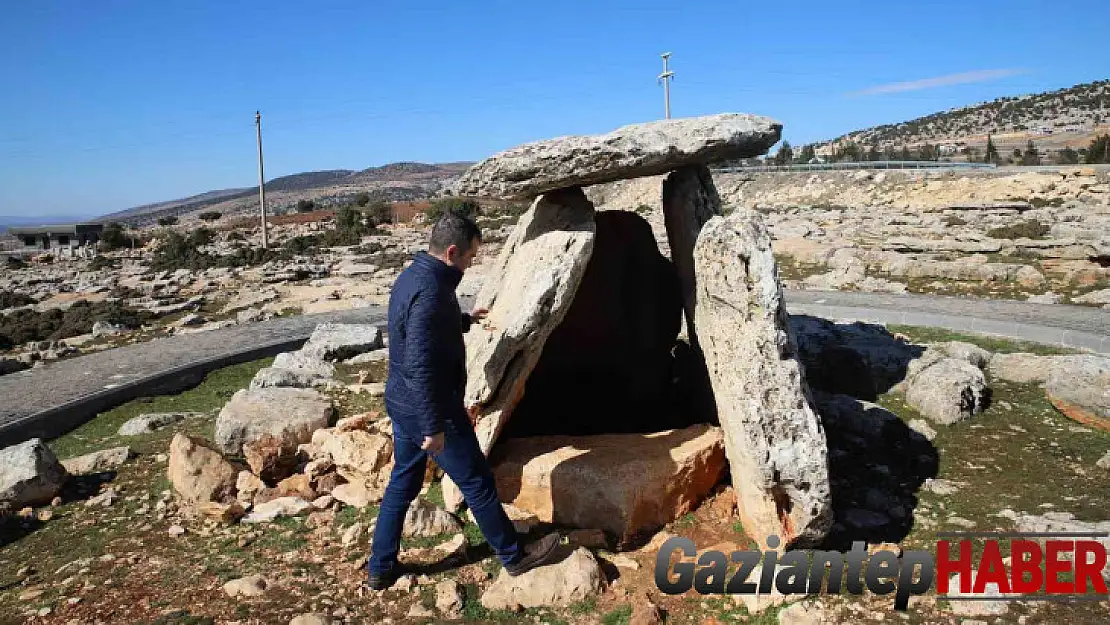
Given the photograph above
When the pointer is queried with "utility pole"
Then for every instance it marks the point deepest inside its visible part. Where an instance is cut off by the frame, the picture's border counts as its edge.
(261, 179)
(665, 77)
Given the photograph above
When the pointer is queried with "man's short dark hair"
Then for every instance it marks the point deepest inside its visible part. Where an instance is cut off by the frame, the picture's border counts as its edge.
(453, 229)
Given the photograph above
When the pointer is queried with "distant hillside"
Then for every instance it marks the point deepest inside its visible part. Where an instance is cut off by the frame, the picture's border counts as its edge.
(404, 181)
(1064, 117)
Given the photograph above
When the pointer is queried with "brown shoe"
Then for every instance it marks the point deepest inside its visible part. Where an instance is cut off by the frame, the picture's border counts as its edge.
(536, 554)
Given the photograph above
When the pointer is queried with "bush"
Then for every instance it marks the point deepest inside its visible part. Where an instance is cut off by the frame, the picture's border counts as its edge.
(14, 263)
(305, 206)
(302, 245)
(349, 218)
(180, 252)
(112, 238)
(954, 220)
(380, 213)
(202, 236)
(11, 299)
(1031, 229)
(102, 262)
(466, 208)
(168, 220)
(52, 325)
(362, 199)
(210, 215)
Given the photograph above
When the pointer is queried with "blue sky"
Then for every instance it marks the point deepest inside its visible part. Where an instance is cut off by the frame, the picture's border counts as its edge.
(111, 104)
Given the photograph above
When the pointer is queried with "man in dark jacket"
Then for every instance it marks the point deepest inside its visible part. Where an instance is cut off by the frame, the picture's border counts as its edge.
(424, 400)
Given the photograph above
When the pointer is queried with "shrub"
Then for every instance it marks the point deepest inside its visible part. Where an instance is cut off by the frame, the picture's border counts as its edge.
(112, 238)
(305, 206)
(1031, 229)
(168, 220)
(362, 199)
(466, 208)
(380, 213)
(102, 262)
(14, 263)
(11, 299)
(954, 220)
(202, 236)
(302, 245)
(51, 325)
(210, 215)
(349, 218)
(180, 252)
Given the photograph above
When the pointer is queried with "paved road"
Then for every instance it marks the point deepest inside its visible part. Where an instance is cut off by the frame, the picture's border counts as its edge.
(74, 390)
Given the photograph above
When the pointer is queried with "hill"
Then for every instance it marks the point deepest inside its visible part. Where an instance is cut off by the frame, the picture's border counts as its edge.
(1068, 117)
(403, 181)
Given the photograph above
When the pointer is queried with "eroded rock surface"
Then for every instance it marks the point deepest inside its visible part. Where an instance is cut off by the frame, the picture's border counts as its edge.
(576, 577)
(273, 421)
(30, 473)
(774, 439)
(198, 472)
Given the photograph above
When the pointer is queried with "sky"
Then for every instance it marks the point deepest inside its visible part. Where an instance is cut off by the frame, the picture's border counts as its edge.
(107, 105)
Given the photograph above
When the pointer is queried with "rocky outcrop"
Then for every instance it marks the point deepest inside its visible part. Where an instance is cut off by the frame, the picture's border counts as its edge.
(576, 577)
(267, 424)
(627, 152)
(530, 289)
(97, 461)
(620, 483)
(30, 474)
(198, 472)
(775, 442)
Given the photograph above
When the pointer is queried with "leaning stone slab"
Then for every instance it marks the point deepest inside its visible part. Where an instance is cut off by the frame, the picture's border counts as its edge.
(631, 151)
(291, 414)
(529, 291)
(619, 483)
(97, 461)
(575, 578)
(30, 474)
(773, 437)
(689, 200)
(340, 341)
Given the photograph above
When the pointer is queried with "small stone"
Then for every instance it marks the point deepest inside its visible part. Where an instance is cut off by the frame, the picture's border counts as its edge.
(352, 534)
(1104, 462)
(57, 501)
(44, 611)
(449, 597)
(405, 583)
(73, 600)
(176, 530)
(251, 586)
(419, 611)
(324, 502)
(312, 618)
(31, 595)
(24, 571)
(922, 427)
(45, 515)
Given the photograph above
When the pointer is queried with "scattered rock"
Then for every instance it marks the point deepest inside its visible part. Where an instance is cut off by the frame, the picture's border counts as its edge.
(576, 577)
(222, 512)
(97, 461)
(1104, 462)
(424, 518)
(175, 530)
(922, 427)
(282, 506)
(146, 423)
(103, 329)
(355, 495)
(312, 618)
(352, 534)
(978, 607)
(773, 437)
(288, 415)
(758, 602)
(271, 377)
(198, 472)
(303, 363)
(419, 611)
(450, 598)
(30, 473)
(948, 391)
(105, 499)
(341, 341)
(251, 586)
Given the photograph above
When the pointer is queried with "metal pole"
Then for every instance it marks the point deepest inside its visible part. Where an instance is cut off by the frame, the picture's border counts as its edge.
(666, 78)
(261, 179)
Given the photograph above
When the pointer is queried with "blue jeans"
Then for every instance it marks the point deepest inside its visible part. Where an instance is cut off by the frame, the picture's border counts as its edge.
(463, 460)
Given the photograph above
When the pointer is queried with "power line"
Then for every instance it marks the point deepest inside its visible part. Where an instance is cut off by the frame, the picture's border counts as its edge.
(666, 78)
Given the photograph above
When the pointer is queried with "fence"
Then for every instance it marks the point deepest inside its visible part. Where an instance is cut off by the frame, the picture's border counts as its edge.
(857, 165)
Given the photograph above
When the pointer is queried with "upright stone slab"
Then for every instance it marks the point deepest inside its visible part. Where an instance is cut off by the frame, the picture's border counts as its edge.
(773, 438)
(528, 292)
(628, 152)
(689, 200)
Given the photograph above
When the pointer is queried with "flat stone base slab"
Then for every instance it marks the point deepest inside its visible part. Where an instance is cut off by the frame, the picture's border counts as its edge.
(620, 483)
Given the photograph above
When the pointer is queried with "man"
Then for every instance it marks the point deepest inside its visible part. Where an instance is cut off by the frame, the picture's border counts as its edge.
(424, 399)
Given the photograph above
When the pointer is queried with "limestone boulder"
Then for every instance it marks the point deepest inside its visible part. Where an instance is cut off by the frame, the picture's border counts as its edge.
(689, 200)
(1023, 368)
(97, 461)
(291, 378)
(362, 457)
(631, 151)
(303, 363)
(198, 472)
(619, 483)
(30, 474)
(774, 439)
(340, 341)
(575, 578)
(948, 390)
(530, 288)
(280, 507)
(426, 519)
(1084, 397)
(267, 424)
(146, 423)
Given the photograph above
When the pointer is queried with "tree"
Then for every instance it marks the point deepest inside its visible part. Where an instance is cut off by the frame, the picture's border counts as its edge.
(380, 213)
(168, 220)
(305, 206)
(927, 152)
(971, 153)
(808, 153)
(362, 199)
(111, 238)
(992, 151)
(210, 215)
(1099, 150)
(1067, 156)
(466, 208)
(905, 155)
(349, 219)
(1031, 156)
(873, 154)
(850, 151)
(785, 154)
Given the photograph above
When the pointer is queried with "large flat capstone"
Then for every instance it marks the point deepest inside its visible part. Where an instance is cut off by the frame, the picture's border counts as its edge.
(620, 483)
(631, 151)
(775, 442)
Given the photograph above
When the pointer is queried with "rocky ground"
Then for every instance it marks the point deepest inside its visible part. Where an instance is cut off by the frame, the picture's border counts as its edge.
(1039, 236)
(180, 509)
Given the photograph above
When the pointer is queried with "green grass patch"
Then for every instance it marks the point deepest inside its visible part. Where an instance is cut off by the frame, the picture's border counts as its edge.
(209, 396)
(918, 334)
(618, 616)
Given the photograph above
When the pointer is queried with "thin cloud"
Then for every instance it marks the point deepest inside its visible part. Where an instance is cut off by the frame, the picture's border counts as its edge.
(940, 81)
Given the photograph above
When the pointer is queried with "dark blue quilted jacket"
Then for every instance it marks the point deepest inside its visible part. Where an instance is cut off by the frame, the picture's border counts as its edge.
(427, 355)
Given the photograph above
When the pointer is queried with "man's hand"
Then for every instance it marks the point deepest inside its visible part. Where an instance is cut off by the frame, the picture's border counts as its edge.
(478, 314)
(433, 444)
